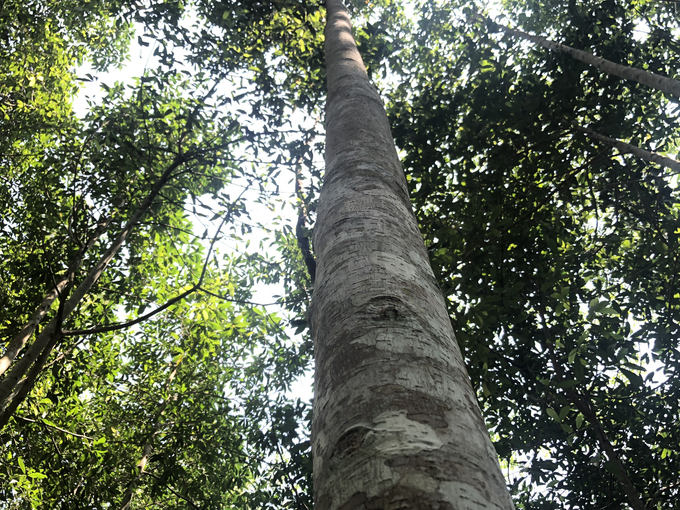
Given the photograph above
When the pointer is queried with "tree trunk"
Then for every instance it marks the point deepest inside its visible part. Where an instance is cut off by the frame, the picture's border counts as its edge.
(126, 503)
(19, 340)
(396, 422)
(655, 81)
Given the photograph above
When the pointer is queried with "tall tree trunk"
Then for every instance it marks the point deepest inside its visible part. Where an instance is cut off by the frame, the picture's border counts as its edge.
(396, 422)
(655, 81)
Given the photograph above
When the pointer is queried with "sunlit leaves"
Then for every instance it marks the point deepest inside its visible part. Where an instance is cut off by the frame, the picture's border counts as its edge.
(196, 383)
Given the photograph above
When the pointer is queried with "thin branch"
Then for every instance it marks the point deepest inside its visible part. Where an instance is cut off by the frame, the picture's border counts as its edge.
(183, 498)
(652, 157)
(130, 490)
(148, 447)
(124, 325)
(169, 303)
(303, 240)
(41, 422)
(584, 404)
(652, 80)
(246, 302)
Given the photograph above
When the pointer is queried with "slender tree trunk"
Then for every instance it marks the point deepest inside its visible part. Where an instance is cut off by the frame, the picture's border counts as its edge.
(19, 340)
(583, 404)
(396, 422)
(620, 472)
(44, 341)
(655, 81)
(126, 502)
(21, 390)
(652, 157)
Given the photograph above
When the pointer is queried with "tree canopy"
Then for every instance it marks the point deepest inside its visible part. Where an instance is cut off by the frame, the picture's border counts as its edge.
(141, 366)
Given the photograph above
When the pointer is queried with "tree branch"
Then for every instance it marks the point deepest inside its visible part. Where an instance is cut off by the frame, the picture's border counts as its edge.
(169, 303)
(652, 157)
(655, 81)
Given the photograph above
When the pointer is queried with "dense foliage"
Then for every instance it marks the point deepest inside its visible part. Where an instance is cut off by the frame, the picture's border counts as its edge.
(162, 382)
(152, 378)
(558, 254)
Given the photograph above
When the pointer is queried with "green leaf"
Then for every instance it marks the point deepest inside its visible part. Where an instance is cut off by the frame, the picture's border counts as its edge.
(579, 420)
(608, 311)
(563, 413)
(553, 414)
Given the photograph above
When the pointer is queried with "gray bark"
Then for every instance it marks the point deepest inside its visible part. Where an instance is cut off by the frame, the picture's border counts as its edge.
(652, 157)
(19, 340)
(655, 81)
(396, 422)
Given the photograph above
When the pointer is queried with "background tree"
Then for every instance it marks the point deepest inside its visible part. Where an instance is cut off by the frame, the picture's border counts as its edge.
(558, 253)
(112, 408)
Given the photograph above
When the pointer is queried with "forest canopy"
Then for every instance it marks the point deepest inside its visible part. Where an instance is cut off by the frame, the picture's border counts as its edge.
(143, 232)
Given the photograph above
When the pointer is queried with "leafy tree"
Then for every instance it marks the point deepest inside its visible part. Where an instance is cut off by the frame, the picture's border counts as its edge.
(40, 42)
(558, 253)
(151, 378)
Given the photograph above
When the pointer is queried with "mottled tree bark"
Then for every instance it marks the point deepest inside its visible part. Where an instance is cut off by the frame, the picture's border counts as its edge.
(396, 422)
